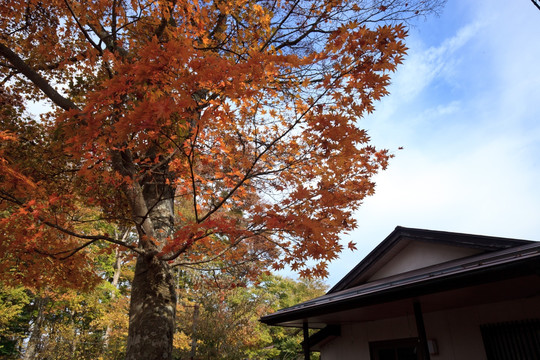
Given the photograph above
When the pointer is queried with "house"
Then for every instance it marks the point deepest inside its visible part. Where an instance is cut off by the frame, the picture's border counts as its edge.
(424, 294)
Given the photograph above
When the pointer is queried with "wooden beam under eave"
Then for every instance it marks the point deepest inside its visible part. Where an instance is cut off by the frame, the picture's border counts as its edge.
(306, 340)
(421, 329)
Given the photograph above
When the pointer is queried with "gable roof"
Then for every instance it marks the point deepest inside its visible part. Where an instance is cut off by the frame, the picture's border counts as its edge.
(500, 262)
(401, 236)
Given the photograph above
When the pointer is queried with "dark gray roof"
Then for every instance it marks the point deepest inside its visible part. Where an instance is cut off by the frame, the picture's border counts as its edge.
(503, 258)
(483, 243)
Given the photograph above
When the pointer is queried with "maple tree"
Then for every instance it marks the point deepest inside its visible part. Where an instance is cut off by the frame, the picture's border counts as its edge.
(243, 114)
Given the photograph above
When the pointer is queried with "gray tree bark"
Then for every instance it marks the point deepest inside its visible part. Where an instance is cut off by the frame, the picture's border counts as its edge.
(116, 277)
(34, 342)
(193, 351)
(152, 313)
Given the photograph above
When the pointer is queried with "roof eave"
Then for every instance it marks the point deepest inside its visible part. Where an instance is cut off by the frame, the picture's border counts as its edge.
(472, 277)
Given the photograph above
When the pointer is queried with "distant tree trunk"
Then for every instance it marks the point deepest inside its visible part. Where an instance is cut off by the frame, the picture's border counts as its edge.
(116, 277)
(194, 332)
(34, 342)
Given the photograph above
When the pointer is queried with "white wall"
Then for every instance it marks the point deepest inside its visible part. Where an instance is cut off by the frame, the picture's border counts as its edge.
(354, 340)
(457, 331)
(418, 254)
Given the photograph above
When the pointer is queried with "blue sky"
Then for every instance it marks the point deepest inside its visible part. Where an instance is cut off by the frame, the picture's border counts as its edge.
(465, 106)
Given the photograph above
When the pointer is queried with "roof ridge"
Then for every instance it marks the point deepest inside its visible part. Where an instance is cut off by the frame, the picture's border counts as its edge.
(483, 242)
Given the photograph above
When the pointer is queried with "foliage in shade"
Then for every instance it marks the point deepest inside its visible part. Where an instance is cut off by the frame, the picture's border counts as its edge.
(69, 324)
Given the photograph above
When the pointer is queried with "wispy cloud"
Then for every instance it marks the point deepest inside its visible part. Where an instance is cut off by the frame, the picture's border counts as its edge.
(423, 65)
(402, 116)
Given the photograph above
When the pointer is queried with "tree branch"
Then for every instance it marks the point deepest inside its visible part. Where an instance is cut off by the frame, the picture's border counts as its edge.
(164, 21)
(37, 79)
(92, 238)
(249, 172)
(107, 39)
(215, 257)
(271, 37)
(79, 248)
(83, 30)
(184, 247)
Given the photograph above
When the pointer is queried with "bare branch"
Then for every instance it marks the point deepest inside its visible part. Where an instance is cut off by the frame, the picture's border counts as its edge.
(107, 38)
(191, 160)
(37, 79)
(83, 30)
(214, 258)
(69, 253)
(265, 45)
(92, 238)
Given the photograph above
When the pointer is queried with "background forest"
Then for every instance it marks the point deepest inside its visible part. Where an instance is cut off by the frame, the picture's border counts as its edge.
(217, 315)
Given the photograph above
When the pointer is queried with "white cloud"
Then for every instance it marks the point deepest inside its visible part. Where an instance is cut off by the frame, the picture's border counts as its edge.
(489, 191)
(423, 66)
(402, 116)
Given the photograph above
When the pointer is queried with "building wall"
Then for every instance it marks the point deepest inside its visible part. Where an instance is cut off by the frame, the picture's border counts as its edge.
(457, 331)
(417, 255)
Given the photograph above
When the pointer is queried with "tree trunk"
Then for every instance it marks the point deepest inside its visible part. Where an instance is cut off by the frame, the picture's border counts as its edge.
(152, 311)
(34, 343)
(116, 277)
(194, 332)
